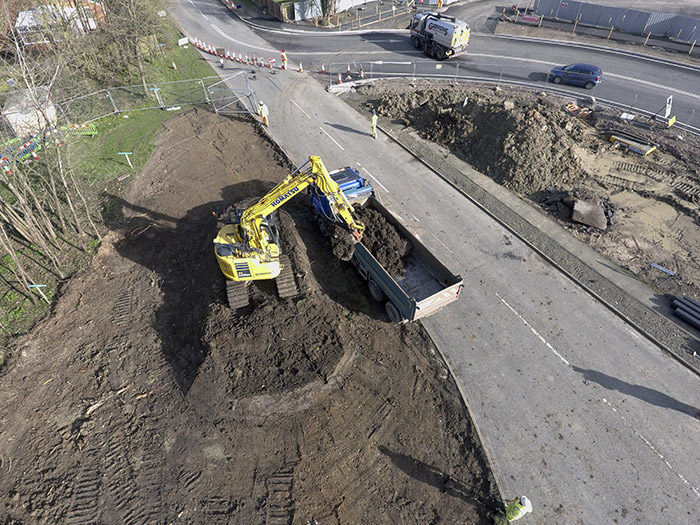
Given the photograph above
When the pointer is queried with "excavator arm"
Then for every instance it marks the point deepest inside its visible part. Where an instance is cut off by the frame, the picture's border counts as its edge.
(313, 172)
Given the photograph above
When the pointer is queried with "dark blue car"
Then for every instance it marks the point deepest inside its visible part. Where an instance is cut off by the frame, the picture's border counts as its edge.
(584, 75)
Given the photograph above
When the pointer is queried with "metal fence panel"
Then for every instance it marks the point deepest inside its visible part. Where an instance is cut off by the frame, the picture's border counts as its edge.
(568, 10)
(546, 7)
(591, 15)
(183, 92)
(86, 108)
(634, 21)
(232, 95)
(684, 28)
(660, 24)
(606, 16)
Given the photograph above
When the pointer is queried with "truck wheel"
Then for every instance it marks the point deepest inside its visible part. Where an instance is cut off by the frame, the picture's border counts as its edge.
(416, 43)
(374, 290)
(392, 312)
(440, 53)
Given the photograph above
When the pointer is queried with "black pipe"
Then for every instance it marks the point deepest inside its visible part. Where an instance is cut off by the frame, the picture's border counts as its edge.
(687, 318)
(690, 307)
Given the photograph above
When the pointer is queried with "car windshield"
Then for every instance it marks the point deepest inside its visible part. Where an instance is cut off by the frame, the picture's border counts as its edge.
(568, 68)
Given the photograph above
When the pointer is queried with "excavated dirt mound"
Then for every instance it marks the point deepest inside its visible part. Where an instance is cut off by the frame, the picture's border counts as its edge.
(529, 143)
(141, 399)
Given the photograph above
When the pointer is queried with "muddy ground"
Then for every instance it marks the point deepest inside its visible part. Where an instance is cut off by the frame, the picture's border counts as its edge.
(140, 399)
(530, 144)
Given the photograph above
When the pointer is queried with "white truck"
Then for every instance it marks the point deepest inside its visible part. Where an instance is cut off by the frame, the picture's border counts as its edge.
(438, 35)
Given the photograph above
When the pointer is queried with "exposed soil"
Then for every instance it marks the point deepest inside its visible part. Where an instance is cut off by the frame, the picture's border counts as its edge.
(529, 143)
(141, 399)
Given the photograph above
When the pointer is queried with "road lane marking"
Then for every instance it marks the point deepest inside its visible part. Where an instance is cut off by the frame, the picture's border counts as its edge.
(336, 143)
(374, 178)
(624, 420)
(533, 330)
(653, 449)
(304, 112)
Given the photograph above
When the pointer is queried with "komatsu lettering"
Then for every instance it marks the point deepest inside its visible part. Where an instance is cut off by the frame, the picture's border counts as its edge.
(284, 197)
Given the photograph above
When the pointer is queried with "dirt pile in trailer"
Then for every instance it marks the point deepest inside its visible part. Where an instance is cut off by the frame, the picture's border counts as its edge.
(141, 399)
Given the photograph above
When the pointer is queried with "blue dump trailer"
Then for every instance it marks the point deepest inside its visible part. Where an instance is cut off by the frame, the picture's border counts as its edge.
(428, 285)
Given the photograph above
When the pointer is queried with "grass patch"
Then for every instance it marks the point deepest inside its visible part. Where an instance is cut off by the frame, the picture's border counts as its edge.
(132, 132)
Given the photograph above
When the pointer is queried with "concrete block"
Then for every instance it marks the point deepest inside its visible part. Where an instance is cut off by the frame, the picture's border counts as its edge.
(589, 213)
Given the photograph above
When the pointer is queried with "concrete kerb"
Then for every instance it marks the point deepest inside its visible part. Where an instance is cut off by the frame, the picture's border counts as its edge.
(667, 337)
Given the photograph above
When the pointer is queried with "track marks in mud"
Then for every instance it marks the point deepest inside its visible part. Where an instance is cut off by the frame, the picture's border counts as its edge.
(123, 307)
(85, 499)
(280, 505)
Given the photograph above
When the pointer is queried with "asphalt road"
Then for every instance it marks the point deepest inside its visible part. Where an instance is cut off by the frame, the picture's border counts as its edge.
(575, 409)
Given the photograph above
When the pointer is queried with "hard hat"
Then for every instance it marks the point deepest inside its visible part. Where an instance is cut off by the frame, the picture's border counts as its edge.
(283, 51)
(260, 103)
(373, 112)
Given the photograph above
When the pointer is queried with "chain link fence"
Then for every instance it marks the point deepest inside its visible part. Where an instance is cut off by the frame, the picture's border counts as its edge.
(231, 94)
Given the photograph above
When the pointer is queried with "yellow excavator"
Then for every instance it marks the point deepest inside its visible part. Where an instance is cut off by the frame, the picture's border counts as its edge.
(248, 246)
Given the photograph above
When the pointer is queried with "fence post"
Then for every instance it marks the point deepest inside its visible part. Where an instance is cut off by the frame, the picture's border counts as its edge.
(647, 38)
(204, 89)
(114, 105)
(575, 24)
(610, 33)
(692, 47)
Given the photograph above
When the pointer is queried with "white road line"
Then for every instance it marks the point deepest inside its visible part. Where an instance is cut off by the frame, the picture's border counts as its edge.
(304, 112)
(430, 232)
(648, 444)
(534, 331)
(374, 178)
(443, 244)
(336, 143)
(244, 44)
(629, 425)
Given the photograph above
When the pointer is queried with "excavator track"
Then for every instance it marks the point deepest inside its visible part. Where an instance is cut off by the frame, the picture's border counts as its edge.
(237, 294)
(286, 286)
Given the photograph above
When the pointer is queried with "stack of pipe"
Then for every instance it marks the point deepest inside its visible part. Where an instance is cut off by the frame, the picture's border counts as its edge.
(687, 309)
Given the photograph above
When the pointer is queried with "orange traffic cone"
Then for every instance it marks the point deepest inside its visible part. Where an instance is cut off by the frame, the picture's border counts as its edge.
(349, 70)
(323, 69)
(269, 63)
(340, 78)
(301, 68)
(262, 63)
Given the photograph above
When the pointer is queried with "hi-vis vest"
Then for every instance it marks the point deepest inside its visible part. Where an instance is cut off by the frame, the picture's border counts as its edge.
(515, 510)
